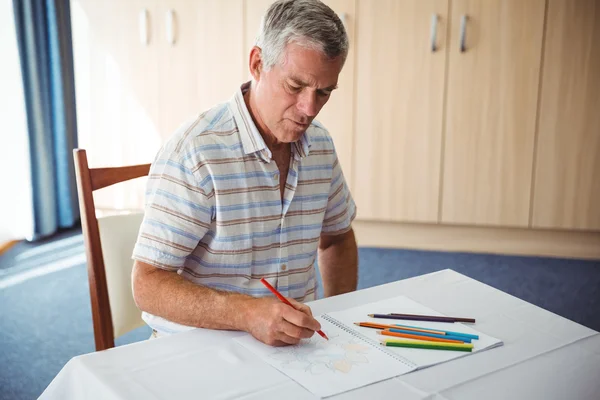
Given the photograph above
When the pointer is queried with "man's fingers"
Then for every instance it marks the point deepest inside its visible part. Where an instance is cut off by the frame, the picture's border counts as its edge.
(285, 339)
(296, 331)
(279, 343)
(301, 319)
(301, 307)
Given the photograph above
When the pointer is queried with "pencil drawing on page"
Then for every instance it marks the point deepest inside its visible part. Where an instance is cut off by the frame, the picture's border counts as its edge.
(317, 356)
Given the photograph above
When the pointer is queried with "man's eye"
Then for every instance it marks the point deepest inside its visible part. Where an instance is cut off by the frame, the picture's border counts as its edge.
(323, 93)
(294, 88)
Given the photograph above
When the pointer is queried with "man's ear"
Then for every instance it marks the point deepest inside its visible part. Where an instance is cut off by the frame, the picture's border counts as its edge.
(256, 63)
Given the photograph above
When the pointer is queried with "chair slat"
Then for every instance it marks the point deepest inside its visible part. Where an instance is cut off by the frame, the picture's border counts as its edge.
(103, 177)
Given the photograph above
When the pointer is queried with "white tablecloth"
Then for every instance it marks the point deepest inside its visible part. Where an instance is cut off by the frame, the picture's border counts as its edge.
(544, 356)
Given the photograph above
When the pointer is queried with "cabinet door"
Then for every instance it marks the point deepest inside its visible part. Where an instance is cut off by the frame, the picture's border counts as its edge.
(116, 90)
(399, 108)
(567, 172)
(253, 13)
(491, 109)
(201, 65)
(336, 116)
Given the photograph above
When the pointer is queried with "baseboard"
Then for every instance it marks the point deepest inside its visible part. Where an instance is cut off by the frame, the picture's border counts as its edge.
(513, 241)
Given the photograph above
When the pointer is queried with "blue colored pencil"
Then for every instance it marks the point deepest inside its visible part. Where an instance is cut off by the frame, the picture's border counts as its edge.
(461, 338)
(468, 335)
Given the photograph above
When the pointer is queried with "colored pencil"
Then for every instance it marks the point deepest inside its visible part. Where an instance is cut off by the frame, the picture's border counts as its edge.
(455, 319)
(460, 339)
(375, 325)
(439, 332)
(460, 345)
(421, 318)
(284, 300)
(428, 346)
(418, 337)
(386, 326)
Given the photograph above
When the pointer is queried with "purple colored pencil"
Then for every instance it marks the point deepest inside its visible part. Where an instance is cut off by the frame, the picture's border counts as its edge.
(414, 317)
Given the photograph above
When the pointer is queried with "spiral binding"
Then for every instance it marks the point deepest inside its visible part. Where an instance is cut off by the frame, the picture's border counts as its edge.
(372, 342)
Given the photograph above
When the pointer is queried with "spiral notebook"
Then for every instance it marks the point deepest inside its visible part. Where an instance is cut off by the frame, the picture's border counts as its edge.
(354, 357)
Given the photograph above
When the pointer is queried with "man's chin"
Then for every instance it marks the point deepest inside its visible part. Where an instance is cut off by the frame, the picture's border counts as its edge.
(290, 136)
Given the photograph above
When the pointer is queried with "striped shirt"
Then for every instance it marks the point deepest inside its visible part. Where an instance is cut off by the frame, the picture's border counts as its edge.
(214, 212)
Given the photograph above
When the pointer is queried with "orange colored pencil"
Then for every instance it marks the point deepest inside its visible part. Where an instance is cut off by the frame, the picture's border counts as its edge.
(406, 328)
(418, 337)
(374, 325)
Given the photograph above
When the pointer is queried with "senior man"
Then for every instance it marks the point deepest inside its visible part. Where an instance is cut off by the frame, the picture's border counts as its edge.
(253, 188)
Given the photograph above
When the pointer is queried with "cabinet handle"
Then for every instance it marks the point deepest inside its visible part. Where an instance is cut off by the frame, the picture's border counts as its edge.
(170, 26)
(143, 25)
(463, 28)
(434, 21)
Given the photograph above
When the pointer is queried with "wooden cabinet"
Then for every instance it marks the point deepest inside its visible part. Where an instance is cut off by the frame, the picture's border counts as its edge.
(337, 114)
(491, 106)
(399, 108)
(253, 13)
(202, 66)
(116, 91)
(135, 85)
(567, 172)
(178, 62)
(220, 35)
(468, 112)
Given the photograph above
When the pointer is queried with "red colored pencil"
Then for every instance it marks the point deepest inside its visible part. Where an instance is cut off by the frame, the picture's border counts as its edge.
(285, 301)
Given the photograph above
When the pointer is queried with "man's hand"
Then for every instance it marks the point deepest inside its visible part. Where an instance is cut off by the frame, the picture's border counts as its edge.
(277, 324)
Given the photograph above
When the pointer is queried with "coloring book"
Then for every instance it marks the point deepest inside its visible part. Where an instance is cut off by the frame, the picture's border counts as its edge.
(354, 357)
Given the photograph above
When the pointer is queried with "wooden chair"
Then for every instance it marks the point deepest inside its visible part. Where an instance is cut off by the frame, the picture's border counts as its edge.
(109, 244)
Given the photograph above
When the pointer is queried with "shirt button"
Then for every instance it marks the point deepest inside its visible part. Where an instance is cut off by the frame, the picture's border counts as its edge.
(276, 177)
(283, 267)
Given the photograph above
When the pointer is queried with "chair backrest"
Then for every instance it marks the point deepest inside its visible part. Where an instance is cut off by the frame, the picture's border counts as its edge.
(109, 244)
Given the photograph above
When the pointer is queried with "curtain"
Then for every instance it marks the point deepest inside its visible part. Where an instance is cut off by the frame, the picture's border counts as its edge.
(45, 50)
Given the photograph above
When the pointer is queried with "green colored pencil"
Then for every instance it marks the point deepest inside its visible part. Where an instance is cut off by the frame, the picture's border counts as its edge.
(428, 346)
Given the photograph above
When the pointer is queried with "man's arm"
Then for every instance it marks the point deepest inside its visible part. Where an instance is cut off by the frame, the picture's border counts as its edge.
(168, 295)
(338, 263)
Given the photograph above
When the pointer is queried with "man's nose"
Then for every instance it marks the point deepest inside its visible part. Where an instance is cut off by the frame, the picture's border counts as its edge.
(307, 103)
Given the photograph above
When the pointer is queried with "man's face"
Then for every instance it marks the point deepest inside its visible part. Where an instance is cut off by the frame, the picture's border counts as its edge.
(291, 94)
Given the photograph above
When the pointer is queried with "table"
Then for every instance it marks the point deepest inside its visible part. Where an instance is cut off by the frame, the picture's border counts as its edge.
(544, 356)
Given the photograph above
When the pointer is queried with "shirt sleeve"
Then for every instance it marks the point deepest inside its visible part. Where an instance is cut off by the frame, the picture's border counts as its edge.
(178, 213)
(341, 209)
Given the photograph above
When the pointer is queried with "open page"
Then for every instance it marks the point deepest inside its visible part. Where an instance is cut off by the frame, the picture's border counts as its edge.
(326, 368)
(422, 358)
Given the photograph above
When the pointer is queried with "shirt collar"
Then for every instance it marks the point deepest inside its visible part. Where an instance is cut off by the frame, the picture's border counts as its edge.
(252, 140)
(302, 146)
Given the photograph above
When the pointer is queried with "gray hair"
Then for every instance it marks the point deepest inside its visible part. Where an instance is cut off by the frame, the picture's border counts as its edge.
(309, 23)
